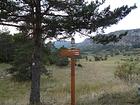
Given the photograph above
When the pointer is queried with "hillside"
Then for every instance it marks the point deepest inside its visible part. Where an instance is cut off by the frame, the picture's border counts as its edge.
(131, 40)
(59, 44)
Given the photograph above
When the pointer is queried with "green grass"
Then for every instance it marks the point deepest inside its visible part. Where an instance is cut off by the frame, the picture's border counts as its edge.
(4, 66)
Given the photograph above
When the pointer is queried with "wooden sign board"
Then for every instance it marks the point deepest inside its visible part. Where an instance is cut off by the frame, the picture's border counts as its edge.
(69, 52)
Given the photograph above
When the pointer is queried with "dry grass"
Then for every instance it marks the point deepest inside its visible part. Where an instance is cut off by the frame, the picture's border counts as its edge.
(94, 83)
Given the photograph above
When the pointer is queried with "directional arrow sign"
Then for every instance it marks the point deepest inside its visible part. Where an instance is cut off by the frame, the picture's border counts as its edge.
(69, 52)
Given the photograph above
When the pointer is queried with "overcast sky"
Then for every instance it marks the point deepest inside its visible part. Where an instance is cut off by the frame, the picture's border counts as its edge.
(132, 21)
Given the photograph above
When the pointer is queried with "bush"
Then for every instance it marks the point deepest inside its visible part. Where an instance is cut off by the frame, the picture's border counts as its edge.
(21, 65)
(62, 62)
(6, 47)
(97, 58)
(106, 57)
(90, 60)
(86, 58)
(126, 70)
(79, 65)
(100, 58)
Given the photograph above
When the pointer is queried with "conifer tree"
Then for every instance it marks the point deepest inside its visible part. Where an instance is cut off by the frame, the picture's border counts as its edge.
(42, 19)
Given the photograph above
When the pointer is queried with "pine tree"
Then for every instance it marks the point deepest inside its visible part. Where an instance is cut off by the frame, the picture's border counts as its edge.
(6, 47)
(42, 19)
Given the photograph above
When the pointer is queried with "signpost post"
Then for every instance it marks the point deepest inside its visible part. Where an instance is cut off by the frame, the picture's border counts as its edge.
(71, 53)
(72, 81)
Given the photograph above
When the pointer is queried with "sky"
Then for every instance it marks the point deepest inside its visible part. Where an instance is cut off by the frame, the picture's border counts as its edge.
(132, 21)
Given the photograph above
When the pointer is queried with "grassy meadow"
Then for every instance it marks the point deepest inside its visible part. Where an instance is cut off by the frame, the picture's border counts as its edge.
(95, 85)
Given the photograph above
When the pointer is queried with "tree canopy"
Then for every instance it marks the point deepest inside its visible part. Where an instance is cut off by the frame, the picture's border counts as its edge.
(60, 17)
(6, 47)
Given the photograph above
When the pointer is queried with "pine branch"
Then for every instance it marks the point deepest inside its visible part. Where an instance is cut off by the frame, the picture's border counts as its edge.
(46, 11)
(13, 25)
(84, 34)
(54, 15)
(105, 39)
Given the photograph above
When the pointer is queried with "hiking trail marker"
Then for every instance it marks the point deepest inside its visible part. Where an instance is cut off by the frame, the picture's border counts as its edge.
(71, 53)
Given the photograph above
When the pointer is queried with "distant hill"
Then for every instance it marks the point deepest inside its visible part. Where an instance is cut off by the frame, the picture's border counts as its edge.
(59, 44)
(132, 39)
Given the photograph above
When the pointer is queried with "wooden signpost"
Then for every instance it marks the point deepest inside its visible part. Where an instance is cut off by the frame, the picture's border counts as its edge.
(71, 53)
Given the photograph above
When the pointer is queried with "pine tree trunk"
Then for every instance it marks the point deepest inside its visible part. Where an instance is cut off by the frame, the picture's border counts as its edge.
(35, 84)
(36, 56)
(36, 68)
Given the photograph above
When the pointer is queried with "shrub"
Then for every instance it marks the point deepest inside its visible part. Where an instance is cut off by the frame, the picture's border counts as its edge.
(126, 70)
(97, 58)
(106, 57)
(86, 58)
(22, 61)
(90, 60)
(79, 65)
(100, 58)
(21, 65)
(62, 62)
(6, 47)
